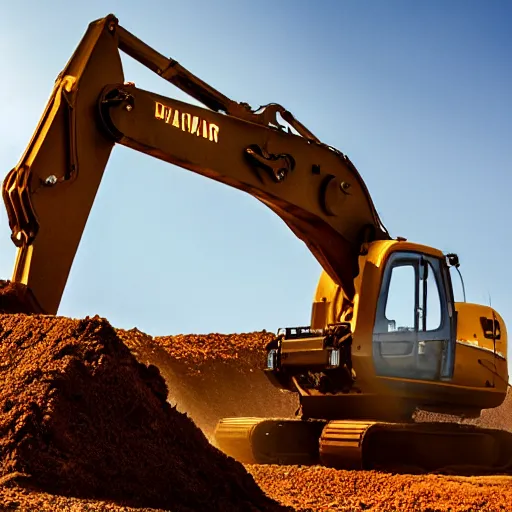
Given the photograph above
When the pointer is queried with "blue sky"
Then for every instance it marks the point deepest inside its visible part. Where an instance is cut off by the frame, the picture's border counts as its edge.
(416, 93)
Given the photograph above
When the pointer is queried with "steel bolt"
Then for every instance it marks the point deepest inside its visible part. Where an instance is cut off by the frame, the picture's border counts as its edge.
(129, 108)
(51, 180)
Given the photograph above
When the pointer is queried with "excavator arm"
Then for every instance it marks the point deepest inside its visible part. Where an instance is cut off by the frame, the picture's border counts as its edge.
(314, 188)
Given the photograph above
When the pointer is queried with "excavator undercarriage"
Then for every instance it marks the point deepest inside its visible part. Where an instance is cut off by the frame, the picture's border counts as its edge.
(344, 444)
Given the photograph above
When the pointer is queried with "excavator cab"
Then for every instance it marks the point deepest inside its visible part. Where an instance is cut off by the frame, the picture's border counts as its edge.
(403, 340)
(414, 330)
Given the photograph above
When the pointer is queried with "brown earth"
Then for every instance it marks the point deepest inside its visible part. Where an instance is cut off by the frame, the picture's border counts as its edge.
(83, 426)
(315, 489)
(324, 489)
(79, 416)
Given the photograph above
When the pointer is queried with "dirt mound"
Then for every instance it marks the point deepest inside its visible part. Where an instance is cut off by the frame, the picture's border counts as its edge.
(196, 350)
(214, 376)
(79, 416)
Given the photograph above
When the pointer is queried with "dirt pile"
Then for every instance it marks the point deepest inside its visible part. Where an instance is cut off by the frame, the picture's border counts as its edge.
(79, 416)
(214, 376)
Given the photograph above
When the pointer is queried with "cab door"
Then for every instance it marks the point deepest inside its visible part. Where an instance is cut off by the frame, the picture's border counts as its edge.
(414, 331)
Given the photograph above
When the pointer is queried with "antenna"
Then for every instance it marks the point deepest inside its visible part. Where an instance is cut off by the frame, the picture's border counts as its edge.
(453, 260)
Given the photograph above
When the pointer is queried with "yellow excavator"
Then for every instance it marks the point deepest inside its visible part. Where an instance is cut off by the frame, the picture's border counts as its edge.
(386, 336)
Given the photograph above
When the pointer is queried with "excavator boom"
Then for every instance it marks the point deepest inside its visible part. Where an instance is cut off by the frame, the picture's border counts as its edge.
(314, 188)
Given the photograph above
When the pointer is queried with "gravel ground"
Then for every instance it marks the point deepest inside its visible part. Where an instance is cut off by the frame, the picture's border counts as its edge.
(315, 489)
(323, 489)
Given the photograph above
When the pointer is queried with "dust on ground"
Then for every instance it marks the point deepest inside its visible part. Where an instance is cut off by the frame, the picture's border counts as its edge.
(214, 376)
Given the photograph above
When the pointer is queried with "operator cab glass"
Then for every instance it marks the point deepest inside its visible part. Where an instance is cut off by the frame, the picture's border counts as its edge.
(414, 331)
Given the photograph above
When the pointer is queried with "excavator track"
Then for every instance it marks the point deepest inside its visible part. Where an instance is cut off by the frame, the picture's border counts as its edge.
(269, 441)
(352, 445)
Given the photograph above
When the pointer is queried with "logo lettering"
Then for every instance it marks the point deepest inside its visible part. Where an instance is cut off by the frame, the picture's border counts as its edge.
(187, 122)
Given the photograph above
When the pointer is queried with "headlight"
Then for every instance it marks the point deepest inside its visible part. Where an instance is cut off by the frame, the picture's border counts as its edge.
(334, 358)
(272, 359)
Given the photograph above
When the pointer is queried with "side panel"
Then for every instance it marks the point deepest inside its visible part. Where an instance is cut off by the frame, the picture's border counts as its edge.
(481, 347)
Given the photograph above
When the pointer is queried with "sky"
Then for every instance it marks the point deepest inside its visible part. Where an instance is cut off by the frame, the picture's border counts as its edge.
(417, 94)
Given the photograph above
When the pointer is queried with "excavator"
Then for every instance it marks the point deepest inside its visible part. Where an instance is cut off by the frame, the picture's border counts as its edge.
(386, 337)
